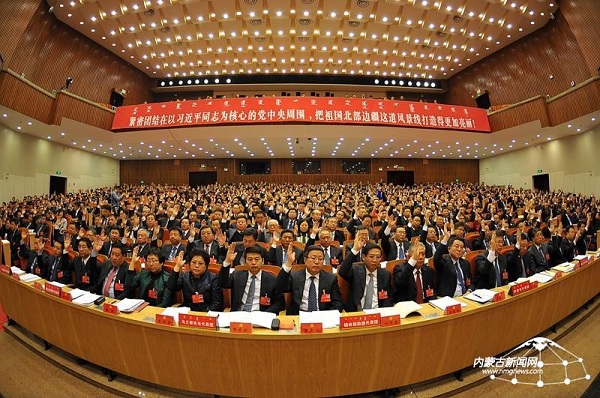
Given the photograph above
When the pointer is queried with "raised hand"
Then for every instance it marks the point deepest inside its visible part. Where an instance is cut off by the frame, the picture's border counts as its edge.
(179, 262)
(392, 219)
(315, 228)
(221, 237)
(97, 246)
(291, 256)
(230, 257)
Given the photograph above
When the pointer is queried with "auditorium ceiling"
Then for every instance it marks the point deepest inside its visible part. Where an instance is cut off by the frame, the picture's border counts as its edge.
(398, 38)
(382, 39)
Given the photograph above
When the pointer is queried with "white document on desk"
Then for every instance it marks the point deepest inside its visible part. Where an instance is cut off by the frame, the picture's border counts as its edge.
(129, 305)
(540, 277)
(27, 278)
(445, 302)
(61, 285)
(564, 267)
(256, 318)
(481, 295)
(75, 293)
(17, 270)
(86, 299)
(407, 307)
(175, 311)
(329, 319)
(385, 311)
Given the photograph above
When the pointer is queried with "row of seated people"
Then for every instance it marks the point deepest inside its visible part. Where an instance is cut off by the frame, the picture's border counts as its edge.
(364, 283)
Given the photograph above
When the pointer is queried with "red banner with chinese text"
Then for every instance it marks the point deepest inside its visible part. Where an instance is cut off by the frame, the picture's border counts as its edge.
(278, 110)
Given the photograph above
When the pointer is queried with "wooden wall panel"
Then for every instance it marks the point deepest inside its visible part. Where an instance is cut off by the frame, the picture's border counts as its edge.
(49, 51)
(177, 173)
(17, 95)
(521, 114)
(81, 111)
(581, 101)
(584, 19)
(521, 70)
(14, 18)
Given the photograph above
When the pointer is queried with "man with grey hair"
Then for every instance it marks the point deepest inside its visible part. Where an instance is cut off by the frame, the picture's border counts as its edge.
(413, 279)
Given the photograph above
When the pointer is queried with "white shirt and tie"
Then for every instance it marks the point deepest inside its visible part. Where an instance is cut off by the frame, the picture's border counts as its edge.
(255, 306)
(370, 290)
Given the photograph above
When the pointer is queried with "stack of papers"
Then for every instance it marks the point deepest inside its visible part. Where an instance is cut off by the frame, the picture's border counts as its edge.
(541, 277)
(402, 308)
(175, 311)
(481, 295)
(129, 305)
(564, 267)
(29, 278)
(445, 302)
(256, 318)
(580, 257)
(407, 307)
(329, 319)
(17, 270)
(75, 293)
(86, 299)
(61, 285)
(385, 311)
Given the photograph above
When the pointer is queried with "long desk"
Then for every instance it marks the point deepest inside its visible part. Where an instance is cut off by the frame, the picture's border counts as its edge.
(271, 364)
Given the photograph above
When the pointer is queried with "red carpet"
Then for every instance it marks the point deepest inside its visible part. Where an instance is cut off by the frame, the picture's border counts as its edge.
(3, 318)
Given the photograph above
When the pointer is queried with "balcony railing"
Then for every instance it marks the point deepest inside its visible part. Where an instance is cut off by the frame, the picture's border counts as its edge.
(23, 96)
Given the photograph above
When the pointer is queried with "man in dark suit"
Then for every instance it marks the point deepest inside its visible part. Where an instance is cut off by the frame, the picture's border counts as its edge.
(111, 277)
(41, 228)
(396, 246)
(569, 217)
(333, 255)
(85, 265)
(360, 230)
(252, 289)
(171, 250)
(491, 265)
(58, 265)
(537, 258)
(237, 234)
(370, 285)
(248, 240)
(267, 235)
(312, 288)
(13, 235)
(37, 259)
(277, 254)
(563, 249)
(453, 271)
(215, 248)
(291, 220)
(114, 238)
(414, 281)
(336, 233)
(416, 230)
(143, 242)
(515, 265)
(431, 242)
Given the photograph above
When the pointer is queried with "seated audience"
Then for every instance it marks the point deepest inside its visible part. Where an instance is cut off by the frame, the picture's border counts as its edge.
(252, 289)
(199, 287)
(312, 288)
(370, 285)
(151, 281)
